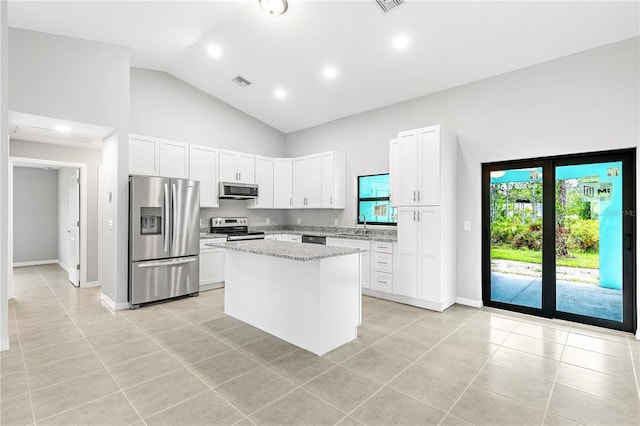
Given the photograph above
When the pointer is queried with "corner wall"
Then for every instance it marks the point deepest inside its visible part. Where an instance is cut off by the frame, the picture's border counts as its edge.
(583, 102)
(4, 178)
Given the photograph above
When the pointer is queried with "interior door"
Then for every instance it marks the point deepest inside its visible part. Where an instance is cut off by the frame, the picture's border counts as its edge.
(74, 228)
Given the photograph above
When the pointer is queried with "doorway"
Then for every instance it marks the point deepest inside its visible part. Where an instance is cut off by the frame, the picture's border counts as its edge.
(71, 242)
(559, 237)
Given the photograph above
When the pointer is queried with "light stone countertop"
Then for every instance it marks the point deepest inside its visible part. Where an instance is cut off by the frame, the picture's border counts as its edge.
(346, 235)
(288, 250)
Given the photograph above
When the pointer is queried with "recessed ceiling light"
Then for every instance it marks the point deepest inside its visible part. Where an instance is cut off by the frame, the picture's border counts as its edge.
(214, 50)
(330, 72)
(280, 94)
(62, 128)
(400, 42)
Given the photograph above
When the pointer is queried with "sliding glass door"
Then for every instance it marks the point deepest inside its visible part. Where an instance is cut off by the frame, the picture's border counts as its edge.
(559, 237)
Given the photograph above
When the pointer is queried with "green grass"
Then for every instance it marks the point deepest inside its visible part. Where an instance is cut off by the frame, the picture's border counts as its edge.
(581, 260)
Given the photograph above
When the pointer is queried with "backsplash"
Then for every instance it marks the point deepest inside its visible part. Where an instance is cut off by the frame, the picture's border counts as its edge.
(327, 229)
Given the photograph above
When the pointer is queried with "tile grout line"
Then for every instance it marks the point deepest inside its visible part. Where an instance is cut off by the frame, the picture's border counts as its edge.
(555, 381)
(95, 353)
(634, 367)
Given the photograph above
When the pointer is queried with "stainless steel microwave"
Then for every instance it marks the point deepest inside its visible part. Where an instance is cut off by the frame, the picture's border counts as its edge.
(238, 191)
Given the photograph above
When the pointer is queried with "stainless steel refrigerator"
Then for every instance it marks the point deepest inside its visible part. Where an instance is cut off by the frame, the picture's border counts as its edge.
(164, 238)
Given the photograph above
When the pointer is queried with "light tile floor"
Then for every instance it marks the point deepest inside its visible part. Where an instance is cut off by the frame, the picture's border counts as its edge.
(73, 361)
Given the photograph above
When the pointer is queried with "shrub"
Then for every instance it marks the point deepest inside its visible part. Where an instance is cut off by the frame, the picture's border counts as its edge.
(584, 234)
(515, 234)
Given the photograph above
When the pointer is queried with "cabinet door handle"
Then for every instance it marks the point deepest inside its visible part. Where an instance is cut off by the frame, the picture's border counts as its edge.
(239, 175)
(418, 195)
(414, 215)
(414, 195)
(290, 201)
(330, 200)
(418, 215)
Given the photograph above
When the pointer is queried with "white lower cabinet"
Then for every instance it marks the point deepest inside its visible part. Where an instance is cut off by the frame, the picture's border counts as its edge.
(211, 264)
(424, 273)
(365, 257)
(382, 266)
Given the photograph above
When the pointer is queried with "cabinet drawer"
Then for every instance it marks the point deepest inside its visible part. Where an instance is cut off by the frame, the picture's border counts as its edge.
(382, 281)
(383, 262)
(383, 246)
(207, 243)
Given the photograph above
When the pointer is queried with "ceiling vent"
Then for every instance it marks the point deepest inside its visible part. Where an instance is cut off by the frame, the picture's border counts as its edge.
(241, 81)
(387, 5)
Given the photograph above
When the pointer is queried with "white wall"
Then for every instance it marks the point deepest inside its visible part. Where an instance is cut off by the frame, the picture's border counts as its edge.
(92, 158)
(86, 82)
(4, 179)
(35, 214)
(580, 103)
(166, 107)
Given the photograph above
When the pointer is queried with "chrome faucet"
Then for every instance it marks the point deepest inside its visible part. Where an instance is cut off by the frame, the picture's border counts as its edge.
(364, 220)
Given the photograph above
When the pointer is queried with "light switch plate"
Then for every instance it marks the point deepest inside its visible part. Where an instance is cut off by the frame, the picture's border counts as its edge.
(299, 221)
(336, 222)
(110, 225)
(268, 221)
(467, 225)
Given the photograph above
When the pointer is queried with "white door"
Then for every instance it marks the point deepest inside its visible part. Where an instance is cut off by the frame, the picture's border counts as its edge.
(204, 168)
(429, 170)
(299, 182)
(74, 228)
(245, 164)
(228, 170)
(407, 285)
(282, 183)
(174, 159)
(408, 168)
(314, 181)
(264, 179)
(327, 180)
(429, 254)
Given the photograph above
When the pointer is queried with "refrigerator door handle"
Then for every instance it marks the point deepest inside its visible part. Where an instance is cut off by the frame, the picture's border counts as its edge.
(166, 217)
(174, 194)
(171, 262)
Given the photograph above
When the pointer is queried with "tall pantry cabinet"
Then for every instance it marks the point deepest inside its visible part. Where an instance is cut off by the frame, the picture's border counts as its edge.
(424, 188)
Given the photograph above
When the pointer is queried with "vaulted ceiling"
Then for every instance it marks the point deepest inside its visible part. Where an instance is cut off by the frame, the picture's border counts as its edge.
(448, 43)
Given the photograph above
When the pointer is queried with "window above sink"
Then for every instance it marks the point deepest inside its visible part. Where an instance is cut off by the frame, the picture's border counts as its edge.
(373, 201)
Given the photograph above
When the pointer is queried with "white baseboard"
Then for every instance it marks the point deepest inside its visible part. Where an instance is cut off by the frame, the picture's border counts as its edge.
(4, 345)
(469, 302)
(113, 305)
(406, 300)
(63, 266)
(638, 334)
(35, 263)
(211, 286)
(91, 284)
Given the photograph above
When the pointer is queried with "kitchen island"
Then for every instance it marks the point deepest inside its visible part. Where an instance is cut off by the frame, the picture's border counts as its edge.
(305, 294)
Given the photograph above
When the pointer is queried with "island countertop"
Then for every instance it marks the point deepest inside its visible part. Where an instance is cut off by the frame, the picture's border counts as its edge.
(288, 250)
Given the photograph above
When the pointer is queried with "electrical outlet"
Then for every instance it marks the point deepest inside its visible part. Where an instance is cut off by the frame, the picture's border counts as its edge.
(110, 225)
(268, 221)
(299, 220)
(467, 225)
(336, 222)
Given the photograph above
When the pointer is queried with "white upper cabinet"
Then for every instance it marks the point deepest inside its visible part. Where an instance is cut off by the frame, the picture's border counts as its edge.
(174, 159)
(333, 180)
(158, 157)
(264, 179)
(237, 167)
(282, 183)
(203, 167)
(415, 167)
(144, 155)
(307, 182)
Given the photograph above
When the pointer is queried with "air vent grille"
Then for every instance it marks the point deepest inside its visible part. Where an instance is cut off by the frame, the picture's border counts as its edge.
(387, 5)
(241, 81)
(52, 134)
